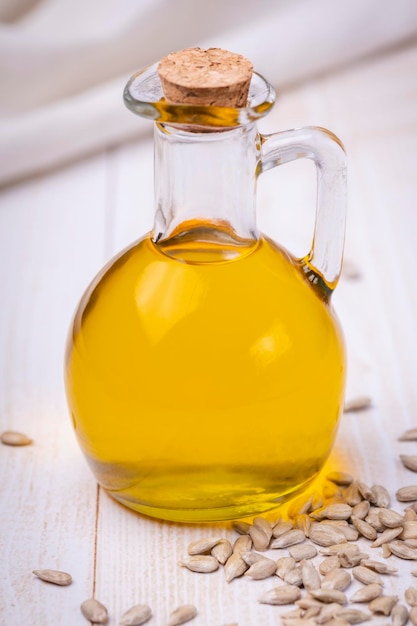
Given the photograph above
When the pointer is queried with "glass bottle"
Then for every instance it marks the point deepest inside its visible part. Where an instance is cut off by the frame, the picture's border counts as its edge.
(205, 366)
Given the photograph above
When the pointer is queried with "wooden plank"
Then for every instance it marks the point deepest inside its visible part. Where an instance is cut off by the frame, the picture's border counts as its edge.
(51, 233)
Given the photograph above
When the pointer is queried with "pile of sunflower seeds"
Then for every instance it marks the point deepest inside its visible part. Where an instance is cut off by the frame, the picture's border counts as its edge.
(335, 525)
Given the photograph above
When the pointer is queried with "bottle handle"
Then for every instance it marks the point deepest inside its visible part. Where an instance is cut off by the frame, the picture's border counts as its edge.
(322, 265)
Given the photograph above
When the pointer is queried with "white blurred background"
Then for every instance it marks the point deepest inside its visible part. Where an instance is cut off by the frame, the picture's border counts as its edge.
(64, 63)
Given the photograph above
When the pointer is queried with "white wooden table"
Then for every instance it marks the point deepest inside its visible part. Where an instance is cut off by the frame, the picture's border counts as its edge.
(56, 231)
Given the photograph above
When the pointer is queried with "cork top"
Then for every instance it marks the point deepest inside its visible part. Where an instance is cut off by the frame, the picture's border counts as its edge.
(212, 77)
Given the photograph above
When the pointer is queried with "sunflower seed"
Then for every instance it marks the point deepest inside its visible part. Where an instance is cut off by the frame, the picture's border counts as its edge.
(385, 551)
(366, 576)
(339, 547)
(261, 569)
(365, 529)
(366, 491)
(409, 435)
(300, 505)
(284, 565)
(302, 551)
(182, 614)
(388, 535)
(340, 478)
(399, 615)
(14, 438)
(390, 518)
(222, 551)
(407, 494)
(338, 579)
(383, 604)
(259, 538)
(367, 593)
(202, 564)
(286, 594)
(353, 616)
(333, 512)
(409, 530)
(377, 566)
(381, 495)
(329, 595)
(328, 564)
(400, 549)
(303, 522)
(242, 544)
(413, 616)
(410, 515)
(282, 527)
(234, 567)
(409, 461)
(361, 509)
(352, 495)
(293, 614)
(201, 546)
(327, 612)
(350, 558)
(294, 577)
(325, 535)
(373, 519)
(309, 575)
(361, 403)
(253, 557)
(137, 615)
(290, 538)
(410, 596)
(94, 611)
(241, 527)
(313, 611)
(53, 576)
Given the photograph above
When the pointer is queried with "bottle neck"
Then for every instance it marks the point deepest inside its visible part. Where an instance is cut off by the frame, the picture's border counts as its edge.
(205, 192)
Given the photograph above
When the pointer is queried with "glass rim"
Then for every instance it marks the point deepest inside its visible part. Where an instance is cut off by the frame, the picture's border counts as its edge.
(144, 96)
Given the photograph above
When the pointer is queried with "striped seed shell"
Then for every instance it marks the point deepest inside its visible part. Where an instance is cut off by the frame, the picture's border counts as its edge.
(242, 544)
(222, 551)
(135, 616)
(390, 518)
(338, 579)
(399, 615)
(260, 538)
(407, 494)
(410, 596)
(328, 564)
(53, 576)
(381, 495)
(340, 478)
(234, 567)
(14, 438)
(365, 529)
(285, 594)
(325, 535)
(282, 527)
(302, 551)
(182, 614)
(367, 593)
(338, 511)
(409, 461)
(200, 563)
(94, 611)
(290, 538)
(309, 575)
(366, 576)
(329, 595)
(262, 569)
(202, 546)
(378, 566)
(284, 565)
(388, 535)
(383, 604)
(409, 435)
(400, 549)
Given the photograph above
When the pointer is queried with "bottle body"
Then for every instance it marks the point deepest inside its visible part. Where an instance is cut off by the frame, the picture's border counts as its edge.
(206, 383)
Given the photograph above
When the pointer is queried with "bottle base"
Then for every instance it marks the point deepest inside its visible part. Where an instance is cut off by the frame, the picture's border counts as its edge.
(215, 514)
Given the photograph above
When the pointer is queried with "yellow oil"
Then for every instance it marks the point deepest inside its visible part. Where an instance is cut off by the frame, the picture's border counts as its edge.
(204, 383)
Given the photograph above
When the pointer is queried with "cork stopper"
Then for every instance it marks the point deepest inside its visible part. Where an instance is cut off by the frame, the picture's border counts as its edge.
(212, 77)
